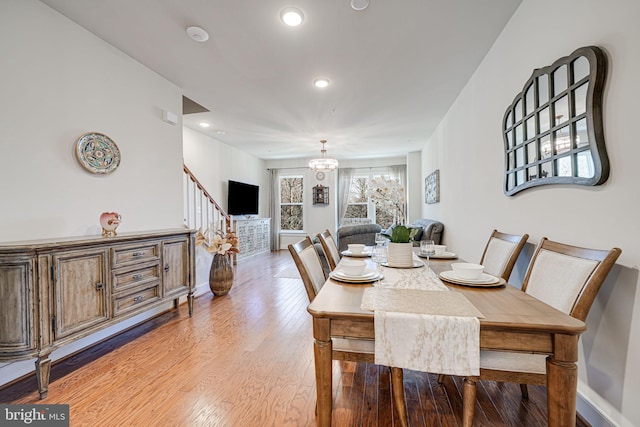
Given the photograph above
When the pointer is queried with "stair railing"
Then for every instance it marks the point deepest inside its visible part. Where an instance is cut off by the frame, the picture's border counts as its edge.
(201, 211)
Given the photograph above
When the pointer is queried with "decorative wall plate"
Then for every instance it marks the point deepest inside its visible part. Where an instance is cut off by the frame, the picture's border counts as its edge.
(97, 153)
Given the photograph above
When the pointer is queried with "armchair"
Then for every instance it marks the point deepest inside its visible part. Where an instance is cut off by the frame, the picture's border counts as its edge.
(431, 230)
(362, 233)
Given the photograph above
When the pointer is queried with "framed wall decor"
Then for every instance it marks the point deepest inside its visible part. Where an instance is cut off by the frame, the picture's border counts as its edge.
(97, 153)
(320, 195)
(432, 187)
(553, 130)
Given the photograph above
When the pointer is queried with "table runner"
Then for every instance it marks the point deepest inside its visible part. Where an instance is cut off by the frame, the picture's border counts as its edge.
(419, 325)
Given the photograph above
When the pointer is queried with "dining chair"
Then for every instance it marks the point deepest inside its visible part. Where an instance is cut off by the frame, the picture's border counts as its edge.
(330, 249)
(565, 277)
(501, 253)
(343, 348)
(499, 257)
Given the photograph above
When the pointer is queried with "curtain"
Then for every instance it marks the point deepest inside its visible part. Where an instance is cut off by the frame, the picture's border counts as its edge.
(345, 176)
(274, 208)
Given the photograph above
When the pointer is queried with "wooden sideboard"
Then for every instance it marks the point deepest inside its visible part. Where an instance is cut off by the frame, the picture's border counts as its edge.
(253, 236)
(53, 292)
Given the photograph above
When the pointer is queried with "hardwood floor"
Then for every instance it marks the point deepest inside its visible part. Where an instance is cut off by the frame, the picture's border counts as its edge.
(246, 359)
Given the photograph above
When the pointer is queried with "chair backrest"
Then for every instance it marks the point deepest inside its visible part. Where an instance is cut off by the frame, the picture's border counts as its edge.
(568, 277)
(330, 248)
(501, 253)
(309, 266)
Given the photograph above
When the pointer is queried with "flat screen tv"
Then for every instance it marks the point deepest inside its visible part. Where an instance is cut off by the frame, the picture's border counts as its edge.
(242, 198)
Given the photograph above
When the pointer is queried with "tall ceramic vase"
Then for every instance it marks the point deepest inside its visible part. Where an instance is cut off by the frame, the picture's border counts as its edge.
(400, 255)
(221, 275)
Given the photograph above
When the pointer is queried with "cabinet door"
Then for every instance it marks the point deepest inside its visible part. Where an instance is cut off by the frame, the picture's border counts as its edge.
(16, 307)
(176, 267)
(81, 291)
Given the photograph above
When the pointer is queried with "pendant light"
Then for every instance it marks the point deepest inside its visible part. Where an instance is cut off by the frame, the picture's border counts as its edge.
(323, 163)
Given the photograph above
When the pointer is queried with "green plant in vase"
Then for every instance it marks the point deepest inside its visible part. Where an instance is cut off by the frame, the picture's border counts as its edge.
(400, 253)
(403, 234)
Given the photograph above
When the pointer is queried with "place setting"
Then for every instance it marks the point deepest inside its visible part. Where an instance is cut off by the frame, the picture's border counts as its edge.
(438, 252)
(355, 271)
(470, 274)
(356, 250)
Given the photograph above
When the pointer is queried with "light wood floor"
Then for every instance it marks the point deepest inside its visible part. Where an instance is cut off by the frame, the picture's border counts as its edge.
(246, 359)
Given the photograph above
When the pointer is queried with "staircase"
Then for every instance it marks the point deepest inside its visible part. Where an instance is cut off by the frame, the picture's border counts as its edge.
(201, 211)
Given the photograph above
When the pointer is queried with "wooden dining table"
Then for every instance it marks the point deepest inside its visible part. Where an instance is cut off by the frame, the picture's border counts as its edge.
(513, 321)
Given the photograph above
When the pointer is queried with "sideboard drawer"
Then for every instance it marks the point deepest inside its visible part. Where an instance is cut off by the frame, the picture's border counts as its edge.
(123, 280)
(124, 303)
(135, 254)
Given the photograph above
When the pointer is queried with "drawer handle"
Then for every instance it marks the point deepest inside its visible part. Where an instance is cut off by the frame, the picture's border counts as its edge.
(137, 254)
(166, 267)
(138, 276)
(99, 286)
(138, 298)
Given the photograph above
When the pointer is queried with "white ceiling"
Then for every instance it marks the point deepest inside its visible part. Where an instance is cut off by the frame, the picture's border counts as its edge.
(395, 67)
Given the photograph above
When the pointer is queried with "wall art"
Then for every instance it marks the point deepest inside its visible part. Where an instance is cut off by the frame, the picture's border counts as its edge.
(432, 187)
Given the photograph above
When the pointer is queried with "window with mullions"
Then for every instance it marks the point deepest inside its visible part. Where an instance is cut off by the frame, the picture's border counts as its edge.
(553, 131)
(291, 203)
(360, 205)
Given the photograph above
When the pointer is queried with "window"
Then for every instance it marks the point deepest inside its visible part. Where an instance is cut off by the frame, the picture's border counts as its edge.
(360, 205)
(291, 203)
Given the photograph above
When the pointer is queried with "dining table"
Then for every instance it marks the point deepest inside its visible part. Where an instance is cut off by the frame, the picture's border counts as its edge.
(512, 320)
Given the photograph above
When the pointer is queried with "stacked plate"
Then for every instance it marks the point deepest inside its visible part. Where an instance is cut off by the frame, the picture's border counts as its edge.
(368, 276)
(363, 254)
(485, 280)
(415, 264)
(443, 255)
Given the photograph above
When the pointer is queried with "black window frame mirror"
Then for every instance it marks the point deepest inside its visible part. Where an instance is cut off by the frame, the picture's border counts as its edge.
(553, 130)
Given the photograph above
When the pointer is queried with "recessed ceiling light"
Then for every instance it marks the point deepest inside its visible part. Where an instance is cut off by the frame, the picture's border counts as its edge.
(204, 124)
(292, 16)
(321, 82)
(359, 4)
(198, 34)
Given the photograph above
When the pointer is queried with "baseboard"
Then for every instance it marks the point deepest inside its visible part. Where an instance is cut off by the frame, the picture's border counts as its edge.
(591, 415)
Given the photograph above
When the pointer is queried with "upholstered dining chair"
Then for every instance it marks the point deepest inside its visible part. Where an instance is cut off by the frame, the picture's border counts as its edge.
(500, 256)
(330, 249)
(347, 349)
(565, 277)
(501, 253)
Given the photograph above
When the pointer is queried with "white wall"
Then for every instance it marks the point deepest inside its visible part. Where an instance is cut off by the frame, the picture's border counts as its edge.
(58, 82)
(468, 149)
(215, 163)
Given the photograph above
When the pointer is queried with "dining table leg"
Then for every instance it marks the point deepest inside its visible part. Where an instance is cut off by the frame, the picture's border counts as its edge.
(469, 401)
(562, 381)
(322, 350)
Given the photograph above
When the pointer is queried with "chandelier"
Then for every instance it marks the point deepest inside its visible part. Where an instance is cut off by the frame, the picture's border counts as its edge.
(323, 163)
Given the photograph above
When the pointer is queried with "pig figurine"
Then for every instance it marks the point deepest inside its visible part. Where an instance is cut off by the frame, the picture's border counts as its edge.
(109, 222)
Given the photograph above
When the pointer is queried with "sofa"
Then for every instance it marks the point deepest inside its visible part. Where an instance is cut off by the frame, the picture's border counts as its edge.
(429, 230)
(361, 233)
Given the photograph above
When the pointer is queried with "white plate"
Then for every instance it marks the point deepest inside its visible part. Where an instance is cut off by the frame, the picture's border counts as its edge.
(364, 254)
(368, 276)
(416, 264)
(367, 273)
(484, 280)
(444, 255)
